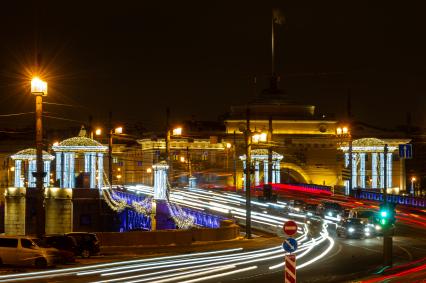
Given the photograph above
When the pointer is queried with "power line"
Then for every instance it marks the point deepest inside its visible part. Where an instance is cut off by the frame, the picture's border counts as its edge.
(16, 114)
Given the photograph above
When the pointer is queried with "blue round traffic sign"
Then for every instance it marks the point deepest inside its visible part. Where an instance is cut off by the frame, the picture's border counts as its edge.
(290, 245)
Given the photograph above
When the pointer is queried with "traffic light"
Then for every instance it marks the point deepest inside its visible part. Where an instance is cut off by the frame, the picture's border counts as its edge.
(386, 214)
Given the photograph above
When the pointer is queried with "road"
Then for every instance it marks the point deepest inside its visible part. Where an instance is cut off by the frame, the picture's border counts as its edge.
(323, 258)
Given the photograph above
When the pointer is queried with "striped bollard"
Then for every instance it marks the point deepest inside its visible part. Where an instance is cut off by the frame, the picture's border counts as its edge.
(290, 269)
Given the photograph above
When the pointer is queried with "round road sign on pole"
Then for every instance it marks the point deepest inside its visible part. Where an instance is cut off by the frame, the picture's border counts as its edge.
(290, 228)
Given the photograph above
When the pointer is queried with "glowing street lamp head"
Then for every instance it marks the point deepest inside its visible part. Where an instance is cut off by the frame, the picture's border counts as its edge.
(228, 145)
(119, 130)
(38, 87)
(413, 179)
(339, 131)
(263, 137)
(177, 131)
(98, 132)
(345, 130)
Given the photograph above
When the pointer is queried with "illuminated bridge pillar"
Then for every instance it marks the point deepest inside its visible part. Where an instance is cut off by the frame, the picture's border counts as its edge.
(160, 180)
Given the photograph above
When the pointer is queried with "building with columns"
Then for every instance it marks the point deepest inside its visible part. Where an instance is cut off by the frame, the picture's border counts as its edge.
(369, 163)
(25, 167)
(259, 158)
(82, 158)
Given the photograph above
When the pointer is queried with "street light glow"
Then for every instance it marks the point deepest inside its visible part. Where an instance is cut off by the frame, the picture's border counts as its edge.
(38, 86)
(177, 131)
(119, 130)
(228, 145)
(98, 132)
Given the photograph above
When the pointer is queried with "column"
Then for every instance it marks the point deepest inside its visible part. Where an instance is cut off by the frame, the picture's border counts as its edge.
(362, 169)
(277, 172)
(389, 169)
(18, 169)
(160, 181)
(382, 170)
(273, 172)
(92, 170)
(71, 181)
(265, 171)
(100, 170)
(87, 162)
(46, 179)
(65, 171)
(256, 172)
(346, 160)
(32, 168)
(244, 174)
(58, 173)
(354, 170)
(374, 177)
(346, 182)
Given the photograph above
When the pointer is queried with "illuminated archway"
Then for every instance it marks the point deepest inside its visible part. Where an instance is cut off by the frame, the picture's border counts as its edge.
(301, 176)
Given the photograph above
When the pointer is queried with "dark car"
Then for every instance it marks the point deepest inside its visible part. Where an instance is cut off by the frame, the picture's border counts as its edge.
(330, 210)
(65, 244)
(87, 243)
(353, 228)
(311, 209)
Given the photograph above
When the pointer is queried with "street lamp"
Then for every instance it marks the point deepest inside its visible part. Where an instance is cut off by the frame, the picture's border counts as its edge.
(413, 179)
(39, 89)
(343, 132)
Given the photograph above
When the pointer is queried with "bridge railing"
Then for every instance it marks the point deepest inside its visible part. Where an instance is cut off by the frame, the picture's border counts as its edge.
(396, 199)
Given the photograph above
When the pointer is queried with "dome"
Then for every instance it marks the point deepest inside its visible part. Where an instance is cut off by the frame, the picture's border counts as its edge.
(30, 154)
(81, 144)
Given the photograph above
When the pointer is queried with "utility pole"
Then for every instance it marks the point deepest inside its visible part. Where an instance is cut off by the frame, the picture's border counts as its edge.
(110, 148)
(247, 134)
(168, 143)
(350, 164)
(387, 235)
(234, 156)
(267, 188)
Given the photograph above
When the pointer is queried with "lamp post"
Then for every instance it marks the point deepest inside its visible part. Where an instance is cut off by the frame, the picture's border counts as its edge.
(344, 132)
(39, 89)
(111, 133)
(413, 180)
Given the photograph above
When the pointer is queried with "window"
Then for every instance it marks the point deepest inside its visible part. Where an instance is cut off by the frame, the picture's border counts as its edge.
(27, 244)
(8, 242)
(139, 163)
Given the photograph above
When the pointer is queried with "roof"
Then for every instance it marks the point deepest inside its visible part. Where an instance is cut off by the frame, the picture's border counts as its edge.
(31, 154)
(80, 144)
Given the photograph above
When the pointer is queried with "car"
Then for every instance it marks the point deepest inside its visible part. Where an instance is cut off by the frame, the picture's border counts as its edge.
(22, 250)
(87, 243)
(311, 209)
(369, 217)
(353, 228)
(66, 245)
(330, 210)
(315, 226)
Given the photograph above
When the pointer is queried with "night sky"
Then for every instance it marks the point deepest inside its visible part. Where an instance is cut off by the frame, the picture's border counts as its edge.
(198, 57)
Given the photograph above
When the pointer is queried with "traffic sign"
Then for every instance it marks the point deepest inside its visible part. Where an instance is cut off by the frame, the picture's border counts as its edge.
(406, 151)
(290, 228)
(290, 245)
(290, 269)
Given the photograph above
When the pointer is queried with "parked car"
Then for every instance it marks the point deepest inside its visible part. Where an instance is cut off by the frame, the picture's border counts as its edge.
(87, 243)
(66, 245)
(22, 250)
(353, 228)
(331, 210)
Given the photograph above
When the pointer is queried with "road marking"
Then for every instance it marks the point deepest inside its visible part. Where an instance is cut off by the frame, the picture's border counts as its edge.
(410, 256)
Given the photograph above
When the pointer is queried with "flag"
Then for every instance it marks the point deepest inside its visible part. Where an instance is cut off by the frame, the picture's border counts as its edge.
(278, 17)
